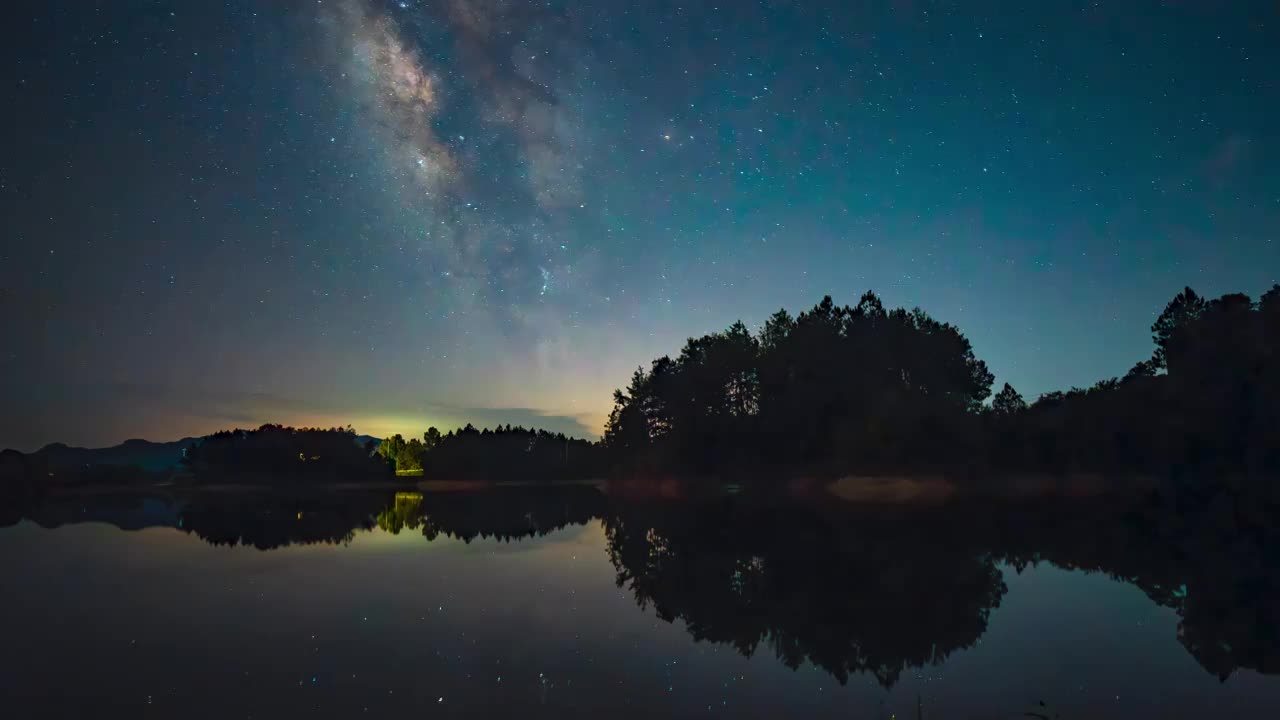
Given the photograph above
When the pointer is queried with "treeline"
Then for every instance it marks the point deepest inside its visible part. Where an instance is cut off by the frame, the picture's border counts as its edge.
(1206, 401)
(837, 386)
(503, 453)
(279, 453)
(835, 389)
(866, 388)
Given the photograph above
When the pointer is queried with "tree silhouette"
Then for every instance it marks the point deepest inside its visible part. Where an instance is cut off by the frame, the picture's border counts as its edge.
(831, 390)
(1185, 307)
(391, 448)
(864, 387)
(833, 383)
(1211, 410)
(276, 453)
(1141, 369)
(431, 439)
(501, 453)
(1008, 401)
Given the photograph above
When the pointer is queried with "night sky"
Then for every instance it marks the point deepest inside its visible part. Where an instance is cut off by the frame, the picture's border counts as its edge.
(397, 214)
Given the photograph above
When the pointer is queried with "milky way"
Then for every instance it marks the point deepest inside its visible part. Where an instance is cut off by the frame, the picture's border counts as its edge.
(405, 97)
(398, 213)
(489, 198)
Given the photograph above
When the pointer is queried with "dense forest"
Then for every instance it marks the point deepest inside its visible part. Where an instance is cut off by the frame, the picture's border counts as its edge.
(866, 388)
(280, 453)
(505, 452)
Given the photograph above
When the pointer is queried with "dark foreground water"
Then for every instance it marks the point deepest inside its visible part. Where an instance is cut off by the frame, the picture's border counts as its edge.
(565, 604)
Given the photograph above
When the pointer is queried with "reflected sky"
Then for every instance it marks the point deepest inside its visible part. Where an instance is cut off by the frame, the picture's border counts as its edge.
(158, 623)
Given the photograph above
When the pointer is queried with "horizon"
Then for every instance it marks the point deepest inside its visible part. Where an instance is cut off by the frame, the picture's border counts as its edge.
(576, 428)
(402, 214)
(356, 431)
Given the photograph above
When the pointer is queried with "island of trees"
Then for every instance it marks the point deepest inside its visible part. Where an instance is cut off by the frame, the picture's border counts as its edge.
(856, 388)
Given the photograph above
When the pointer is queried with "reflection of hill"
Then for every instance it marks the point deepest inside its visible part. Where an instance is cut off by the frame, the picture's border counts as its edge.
(269, 521)
(127, 511)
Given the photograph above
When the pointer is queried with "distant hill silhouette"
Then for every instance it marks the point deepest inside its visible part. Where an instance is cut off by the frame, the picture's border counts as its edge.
(272, 454)
(270, 448)
(148, 455)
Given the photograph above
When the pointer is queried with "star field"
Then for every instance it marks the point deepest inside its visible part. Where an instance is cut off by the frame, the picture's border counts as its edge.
(395, 214)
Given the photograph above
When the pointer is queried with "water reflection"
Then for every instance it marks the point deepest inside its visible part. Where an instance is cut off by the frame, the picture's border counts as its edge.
(504, 514)
(848, 598)
(851, 589)
(267, 522)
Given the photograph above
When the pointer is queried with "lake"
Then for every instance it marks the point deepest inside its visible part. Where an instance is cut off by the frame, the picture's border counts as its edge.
(563, 602)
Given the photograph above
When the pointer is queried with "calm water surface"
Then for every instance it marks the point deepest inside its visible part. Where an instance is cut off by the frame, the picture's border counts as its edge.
(466, 605)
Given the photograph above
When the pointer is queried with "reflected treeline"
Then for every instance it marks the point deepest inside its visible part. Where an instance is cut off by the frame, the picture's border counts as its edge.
(853, 589)
(1216, 564)
(877, 600)
(883, 591)
(269, 522)
(497, 513)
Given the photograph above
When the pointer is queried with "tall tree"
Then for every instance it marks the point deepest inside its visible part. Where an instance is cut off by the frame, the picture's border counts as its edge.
(1008, 401)
(431, 439)
(1185, 307)
(391, 448)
